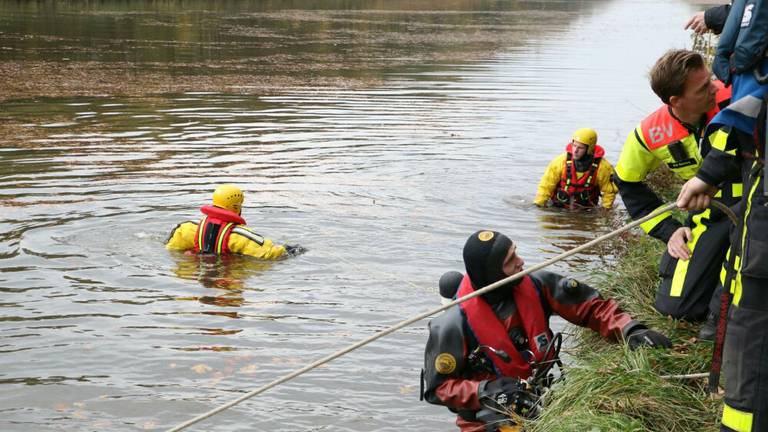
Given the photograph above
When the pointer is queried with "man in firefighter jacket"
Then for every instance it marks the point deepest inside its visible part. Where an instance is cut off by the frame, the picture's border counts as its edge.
(508, 329)
(738, 139)
(223, 231)
(690, 267)
(579, 176)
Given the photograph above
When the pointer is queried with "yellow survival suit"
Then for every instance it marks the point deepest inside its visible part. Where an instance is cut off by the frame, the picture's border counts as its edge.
(223, 231)
(568, 180)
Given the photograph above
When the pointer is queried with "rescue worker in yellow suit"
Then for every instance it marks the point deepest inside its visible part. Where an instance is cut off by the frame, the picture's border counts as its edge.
(690, 268)
(578, 177)
(223, 231)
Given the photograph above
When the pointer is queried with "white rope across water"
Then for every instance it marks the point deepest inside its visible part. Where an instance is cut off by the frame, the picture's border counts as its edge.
(427, 314)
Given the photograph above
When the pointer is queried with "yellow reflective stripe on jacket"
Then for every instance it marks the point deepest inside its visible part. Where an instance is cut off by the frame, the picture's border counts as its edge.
(200, 228)
(719, 140)
(678, 279)
(740, 421)
(737, 288)
(648, 225)
(222, 234)
(737, 190)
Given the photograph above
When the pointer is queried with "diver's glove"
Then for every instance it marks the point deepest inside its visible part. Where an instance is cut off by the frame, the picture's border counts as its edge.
(294, 250)
(643, 336)
(507, 393)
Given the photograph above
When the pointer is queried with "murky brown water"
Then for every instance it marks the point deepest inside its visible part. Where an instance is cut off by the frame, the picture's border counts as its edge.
(377, 134)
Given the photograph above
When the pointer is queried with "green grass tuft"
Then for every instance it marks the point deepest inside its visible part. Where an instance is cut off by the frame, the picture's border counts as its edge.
(609, 388)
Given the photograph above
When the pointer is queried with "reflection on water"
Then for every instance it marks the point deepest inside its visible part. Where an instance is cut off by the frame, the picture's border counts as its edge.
(377, 134)
(250, 46)
(227, 274)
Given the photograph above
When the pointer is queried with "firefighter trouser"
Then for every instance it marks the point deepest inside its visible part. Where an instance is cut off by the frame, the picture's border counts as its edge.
(687, 287)
(745, 360)
(745, 357)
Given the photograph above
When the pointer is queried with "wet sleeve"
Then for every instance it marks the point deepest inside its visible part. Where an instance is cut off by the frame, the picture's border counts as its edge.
(182, 237)
(255, 246)
(635, 163)
(714, 17)
(582, 305)
(608, 188)
(549, 180)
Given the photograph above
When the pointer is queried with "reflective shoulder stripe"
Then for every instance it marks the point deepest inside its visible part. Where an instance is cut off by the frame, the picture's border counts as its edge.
(200, 229)
(740, 421)
(222, 236)
(648, 225)
(737, 190)
(719, 140)
(247, 233)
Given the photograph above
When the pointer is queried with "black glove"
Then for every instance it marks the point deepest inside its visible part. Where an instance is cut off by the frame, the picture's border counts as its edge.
(294, 250)
(641, 336)
(506, 393)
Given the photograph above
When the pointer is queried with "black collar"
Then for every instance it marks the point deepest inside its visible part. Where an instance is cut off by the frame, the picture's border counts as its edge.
(696, 129)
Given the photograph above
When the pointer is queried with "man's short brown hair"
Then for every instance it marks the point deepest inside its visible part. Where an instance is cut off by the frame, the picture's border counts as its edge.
(669, 73)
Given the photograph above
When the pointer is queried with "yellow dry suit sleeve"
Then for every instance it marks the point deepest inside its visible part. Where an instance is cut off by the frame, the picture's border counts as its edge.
(549, 180)
(254, 245)
(182, 237)
(608, 189)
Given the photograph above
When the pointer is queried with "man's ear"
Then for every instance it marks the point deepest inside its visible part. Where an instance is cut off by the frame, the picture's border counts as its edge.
(674, 101)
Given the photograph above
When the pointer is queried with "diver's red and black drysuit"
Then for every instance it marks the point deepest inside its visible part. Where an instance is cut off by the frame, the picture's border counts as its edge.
(452, 382)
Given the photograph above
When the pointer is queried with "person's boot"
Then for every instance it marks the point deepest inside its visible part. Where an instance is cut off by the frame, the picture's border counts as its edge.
(709, 328)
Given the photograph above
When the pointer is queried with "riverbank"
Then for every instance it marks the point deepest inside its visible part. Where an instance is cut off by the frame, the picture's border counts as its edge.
(612, 389)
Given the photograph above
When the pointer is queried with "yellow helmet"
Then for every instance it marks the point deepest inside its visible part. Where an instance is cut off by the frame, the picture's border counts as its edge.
(586, 136)
(228, 197)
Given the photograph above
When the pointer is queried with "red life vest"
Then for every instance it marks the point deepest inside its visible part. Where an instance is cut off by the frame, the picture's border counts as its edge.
(212, 235)
(583, 190)
(490, 331)
(660, 128)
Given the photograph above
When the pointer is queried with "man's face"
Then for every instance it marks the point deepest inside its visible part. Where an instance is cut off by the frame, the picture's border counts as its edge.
(578, 149)
(699, 95)
(512, 263)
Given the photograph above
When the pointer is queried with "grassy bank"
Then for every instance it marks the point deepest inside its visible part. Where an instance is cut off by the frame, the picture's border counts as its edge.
(608, 387)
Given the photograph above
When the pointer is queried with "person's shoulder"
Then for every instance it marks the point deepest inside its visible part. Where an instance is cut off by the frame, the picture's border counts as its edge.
(184, 227)
(559, 159)
(605, 164)
(448, 323)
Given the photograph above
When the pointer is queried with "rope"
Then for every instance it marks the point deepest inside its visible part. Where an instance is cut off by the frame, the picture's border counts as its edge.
(427, 314)
(686, 376)
(728, 212)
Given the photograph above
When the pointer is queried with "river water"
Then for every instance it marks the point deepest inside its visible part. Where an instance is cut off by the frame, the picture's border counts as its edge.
(378, 135)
